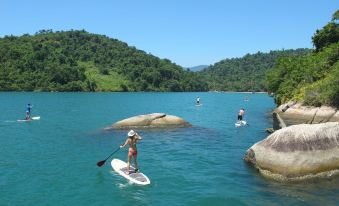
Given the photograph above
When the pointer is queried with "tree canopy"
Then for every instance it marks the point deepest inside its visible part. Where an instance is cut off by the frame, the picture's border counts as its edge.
(246, 73)
(81, 61)
(312, 78)
(329, 34)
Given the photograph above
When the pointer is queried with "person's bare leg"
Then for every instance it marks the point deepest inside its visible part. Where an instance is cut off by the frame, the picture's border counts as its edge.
(136, 163)
(128, 163)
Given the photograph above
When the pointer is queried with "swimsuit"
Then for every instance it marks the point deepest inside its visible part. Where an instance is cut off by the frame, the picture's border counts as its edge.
(132, 152)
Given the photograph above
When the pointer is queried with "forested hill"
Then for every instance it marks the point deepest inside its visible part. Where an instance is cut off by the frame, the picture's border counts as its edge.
(312, 79)
(197, 68)
(81, 61)
(246, 73)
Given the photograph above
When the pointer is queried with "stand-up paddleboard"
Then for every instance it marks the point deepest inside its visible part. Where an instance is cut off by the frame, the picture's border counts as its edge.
(27, 120)
(240, 123)
(198, 105)
(136, 177)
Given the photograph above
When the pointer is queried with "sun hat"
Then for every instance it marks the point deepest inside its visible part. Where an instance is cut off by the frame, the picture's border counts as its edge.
(131, 133)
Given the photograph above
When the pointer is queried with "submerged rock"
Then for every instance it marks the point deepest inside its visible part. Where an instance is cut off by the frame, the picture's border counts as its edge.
(298, 152)
(155, 120)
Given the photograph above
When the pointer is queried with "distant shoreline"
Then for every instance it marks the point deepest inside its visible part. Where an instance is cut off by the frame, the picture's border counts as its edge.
(239, 92)
(134, 92)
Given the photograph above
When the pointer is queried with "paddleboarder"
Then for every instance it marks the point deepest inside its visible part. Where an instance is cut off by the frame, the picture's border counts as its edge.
(241, 114)
(132, 139)
(198, 100)
(28, 111)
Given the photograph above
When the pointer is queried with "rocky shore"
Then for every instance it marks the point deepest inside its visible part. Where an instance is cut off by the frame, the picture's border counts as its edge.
(296, 113)
(298, 152)
(303, 144)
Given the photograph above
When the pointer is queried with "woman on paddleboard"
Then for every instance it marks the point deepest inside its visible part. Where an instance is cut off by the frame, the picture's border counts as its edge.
(132, 139)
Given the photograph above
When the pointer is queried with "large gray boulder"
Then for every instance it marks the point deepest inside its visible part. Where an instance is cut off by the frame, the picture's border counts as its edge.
(155, 120)
(298, 152)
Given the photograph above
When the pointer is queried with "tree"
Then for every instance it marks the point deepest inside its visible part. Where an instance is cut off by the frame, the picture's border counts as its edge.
(335, 16)
(329, 34)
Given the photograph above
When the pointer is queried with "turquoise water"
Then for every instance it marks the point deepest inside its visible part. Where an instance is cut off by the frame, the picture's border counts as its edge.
(53, 161)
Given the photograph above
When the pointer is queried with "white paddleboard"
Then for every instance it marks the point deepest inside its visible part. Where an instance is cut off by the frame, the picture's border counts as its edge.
(198, 105)
(136, 177)
(240, 123)
(27, 120)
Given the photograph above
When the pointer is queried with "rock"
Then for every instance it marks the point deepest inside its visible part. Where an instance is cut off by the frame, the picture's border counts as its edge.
(155, 120)
(298, 114)
(298, 152)
(269, 130)
(278, 122)
(335, 117)
(285, 108)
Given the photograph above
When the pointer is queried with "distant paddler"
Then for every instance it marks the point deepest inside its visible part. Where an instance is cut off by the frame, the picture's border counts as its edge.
(198, 100)
(240, 121)
(28, 111)
(132, 139)
(241, 114)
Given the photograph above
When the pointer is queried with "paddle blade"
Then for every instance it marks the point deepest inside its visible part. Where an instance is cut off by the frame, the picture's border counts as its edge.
(99, 164)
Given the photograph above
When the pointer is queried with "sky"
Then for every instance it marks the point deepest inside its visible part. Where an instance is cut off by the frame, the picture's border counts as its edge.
(187, 32)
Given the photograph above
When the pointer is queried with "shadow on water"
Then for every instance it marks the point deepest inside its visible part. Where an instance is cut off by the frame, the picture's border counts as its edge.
(192, 131)
(218, 201)
(129, 191)
(100, 178)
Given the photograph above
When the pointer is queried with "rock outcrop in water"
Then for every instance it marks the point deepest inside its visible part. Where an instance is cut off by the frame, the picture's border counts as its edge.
(155, 120)
(298, 152)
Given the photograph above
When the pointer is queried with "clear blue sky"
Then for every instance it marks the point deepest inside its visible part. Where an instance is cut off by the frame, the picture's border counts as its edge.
(188, 32)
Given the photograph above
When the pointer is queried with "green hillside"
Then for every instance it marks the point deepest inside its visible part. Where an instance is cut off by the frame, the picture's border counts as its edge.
(80, 61)
(246, 73)
(314, 78)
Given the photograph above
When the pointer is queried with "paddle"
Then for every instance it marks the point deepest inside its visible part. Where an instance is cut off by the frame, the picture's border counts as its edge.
(102, 162)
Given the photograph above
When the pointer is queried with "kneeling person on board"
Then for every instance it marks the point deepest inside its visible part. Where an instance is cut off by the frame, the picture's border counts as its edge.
(132, 139)
(241, 114)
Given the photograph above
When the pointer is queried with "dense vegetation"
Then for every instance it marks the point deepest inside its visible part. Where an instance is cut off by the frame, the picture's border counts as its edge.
(313, 78)
(80, 61)
(246, 73)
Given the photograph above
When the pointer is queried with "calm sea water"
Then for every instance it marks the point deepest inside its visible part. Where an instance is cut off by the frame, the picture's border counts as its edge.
(53, 161)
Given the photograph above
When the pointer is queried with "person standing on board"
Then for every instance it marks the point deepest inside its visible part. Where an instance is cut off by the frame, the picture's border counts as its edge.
(241, 114)
(28, 111)
(132, 139)
(198, 100)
